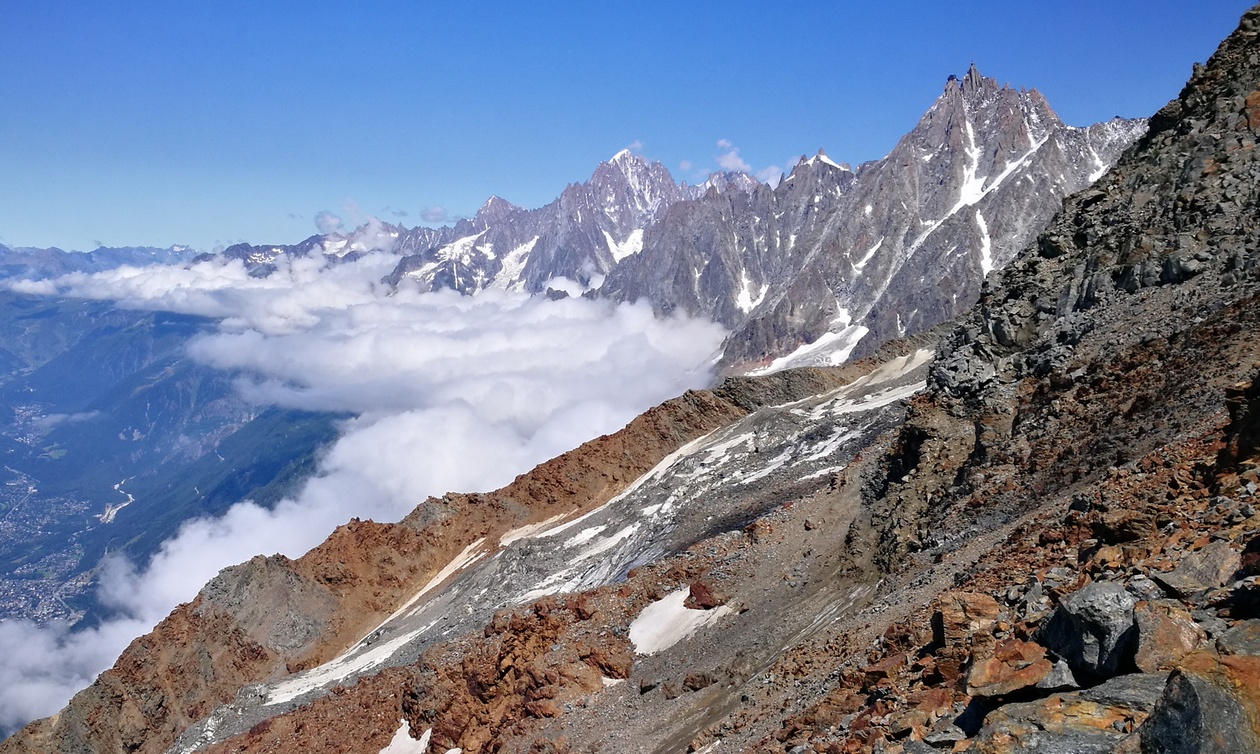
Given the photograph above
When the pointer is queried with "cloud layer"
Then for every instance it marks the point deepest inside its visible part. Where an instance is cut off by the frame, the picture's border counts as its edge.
(450, 393)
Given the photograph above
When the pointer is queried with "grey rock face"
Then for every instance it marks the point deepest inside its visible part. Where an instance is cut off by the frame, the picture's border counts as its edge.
(1242, 639)
(1210, 567)
(1093, 628)
(583, 234)
(1176, 212)
(1195, 716)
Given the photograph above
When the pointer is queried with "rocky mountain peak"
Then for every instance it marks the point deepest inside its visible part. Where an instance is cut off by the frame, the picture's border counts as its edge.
(823, 251)
(972, 82)
(723, 180)
(1177, 206)
(495, 209)
(822, 159)
(630, 189)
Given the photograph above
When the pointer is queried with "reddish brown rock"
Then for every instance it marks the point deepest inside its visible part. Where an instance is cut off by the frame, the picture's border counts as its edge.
(704, 596)
(1012, 665)
(960, 616)
(1166, 633)
(697, 681)
(885, 668)
(543, 708)
(909, 722)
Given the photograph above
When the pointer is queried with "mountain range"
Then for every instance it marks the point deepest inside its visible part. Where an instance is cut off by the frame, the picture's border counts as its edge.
(828, 260)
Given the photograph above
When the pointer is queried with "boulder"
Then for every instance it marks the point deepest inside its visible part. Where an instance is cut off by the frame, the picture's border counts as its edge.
(960, 616)
(1012, 665)
(1080, 722)
(1165, 633)
(1060, 678)
(1208, 568)
(1093, 629)
(1243, 639)
(704, 596)
(1210, 706)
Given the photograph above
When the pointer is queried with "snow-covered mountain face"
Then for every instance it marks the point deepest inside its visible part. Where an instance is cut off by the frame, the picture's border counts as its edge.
(832, 259)
(581, 235)
(828, 263)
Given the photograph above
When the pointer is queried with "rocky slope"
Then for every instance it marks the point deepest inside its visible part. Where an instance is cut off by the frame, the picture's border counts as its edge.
(1045, 539)
(273, 617)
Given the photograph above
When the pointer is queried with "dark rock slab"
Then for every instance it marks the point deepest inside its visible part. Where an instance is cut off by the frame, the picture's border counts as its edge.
(1209, 707)
(1243, 639)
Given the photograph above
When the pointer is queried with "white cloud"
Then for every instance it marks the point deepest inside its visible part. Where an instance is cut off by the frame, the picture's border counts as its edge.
(730, 159)
(635, 146)
(450, 393)
(435, 214)
(326, 222)
(770, 175)
(44, 666)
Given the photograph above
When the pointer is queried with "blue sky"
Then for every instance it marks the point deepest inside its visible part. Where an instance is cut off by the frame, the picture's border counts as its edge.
(207, 123)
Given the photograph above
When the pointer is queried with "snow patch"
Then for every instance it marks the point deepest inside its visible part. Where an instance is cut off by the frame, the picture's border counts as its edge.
(824, 159)
(745, 300)
(403, 743)
(513, 264)
(335, 670)
(832, 349)
(459, 250)
(629, 247)
(986, 245)
(666, 622)
(867, 256)
(584, 536)
(528, 530)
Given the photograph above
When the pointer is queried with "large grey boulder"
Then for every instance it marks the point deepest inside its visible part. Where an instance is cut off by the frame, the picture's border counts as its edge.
(1093, 629)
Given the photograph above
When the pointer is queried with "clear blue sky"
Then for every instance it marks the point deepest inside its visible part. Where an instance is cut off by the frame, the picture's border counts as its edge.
(152, 123)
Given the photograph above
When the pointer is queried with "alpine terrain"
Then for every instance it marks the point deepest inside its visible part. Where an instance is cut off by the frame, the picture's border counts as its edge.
(1025, 523)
